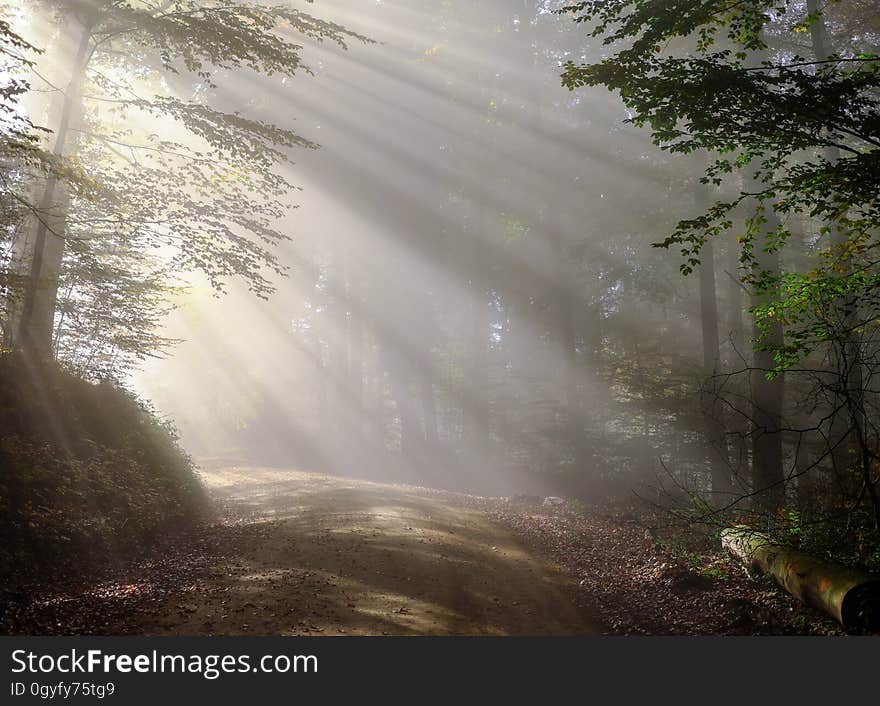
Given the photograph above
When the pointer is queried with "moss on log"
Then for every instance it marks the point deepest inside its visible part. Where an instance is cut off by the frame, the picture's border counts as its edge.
(850, 596)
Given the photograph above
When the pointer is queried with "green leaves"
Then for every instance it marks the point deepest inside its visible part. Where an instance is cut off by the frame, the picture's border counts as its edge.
(206, 37)
(721, 78)
(648, 25)
(180, 176)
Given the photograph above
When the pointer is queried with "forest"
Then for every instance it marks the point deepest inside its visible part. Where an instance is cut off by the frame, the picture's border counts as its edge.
(429, 317)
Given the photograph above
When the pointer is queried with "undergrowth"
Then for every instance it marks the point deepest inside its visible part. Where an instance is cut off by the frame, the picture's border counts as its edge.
(88, 475)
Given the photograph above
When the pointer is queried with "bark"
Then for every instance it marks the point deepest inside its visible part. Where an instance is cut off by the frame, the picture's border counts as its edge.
(722, 485)
(33, 320)
(571, 371)
(400, 378)
(850, 596)
(477, 393)
(736, 332)
(709, 311)
(737, 429)
(844, 425)
(713, 422)
(768, 477)
(819, 33)
(355, 335)
(767, 396)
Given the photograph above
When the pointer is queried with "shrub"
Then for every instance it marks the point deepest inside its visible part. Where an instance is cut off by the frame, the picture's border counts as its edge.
(87, 473)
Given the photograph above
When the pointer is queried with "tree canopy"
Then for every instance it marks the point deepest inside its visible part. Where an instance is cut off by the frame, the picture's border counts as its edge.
(179, 178)
(803, 118)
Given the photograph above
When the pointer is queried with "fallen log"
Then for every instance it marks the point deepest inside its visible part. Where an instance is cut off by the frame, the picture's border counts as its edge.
(850, 596)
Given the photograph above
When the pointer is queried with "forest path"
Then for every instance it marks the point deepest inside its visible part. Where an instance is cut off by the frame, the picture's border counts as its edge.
(337, 556)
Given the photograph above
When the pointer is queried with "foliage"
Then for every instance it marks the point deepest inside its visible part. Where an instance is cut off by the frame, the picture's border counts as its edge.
(716, 76)
(16, 128)
(99, 477)
(181, 178)
(783, 99)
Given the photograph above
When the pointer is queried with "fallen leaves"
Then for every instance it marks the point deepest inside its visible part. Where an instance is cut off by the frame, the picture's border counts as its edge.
(637, 588)
(622, 577)
(117, 601)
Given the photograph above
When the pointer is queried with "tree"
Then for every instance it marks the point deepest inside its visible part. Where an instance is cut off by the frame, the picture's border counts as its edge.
(21, 154)
(769, 113)
(730, 80)
(183, 172)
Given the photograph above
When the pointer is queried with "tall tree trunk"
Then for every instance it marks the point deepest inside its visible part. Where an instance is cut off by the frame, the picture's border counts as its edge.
(735, 330)
(565, 339)
(767, 394)
(410, 429)
(477, 393)
(712, 409)
(847, 366)
(354, 334)
(429, 409)
(709, 311)
(716, 452)
(32, 323)
(737, 428)
(476, 410)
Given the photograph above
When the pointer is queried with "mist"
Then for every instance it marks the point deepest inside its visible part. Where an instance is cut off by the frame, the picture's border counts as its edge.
(357, 316)
(472, 300)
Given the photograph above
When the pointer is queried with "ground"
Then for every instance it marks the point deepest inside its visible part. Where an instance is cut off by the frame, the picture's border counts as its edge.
(299, 553)
(342, 556)
(294, 553)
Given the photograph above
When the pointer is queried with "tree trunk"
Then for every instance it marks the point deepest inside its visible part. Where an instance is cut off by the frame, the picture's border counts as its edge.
(713, 422)
(767, 396)
(399, 375)
(768, 476)
(32, 320)
(709, 311)
(848, 368)
(722, 485)
(410, 431)
(735, 332)
(850, 596)
(566, 340)
(476, 416)
(354, 333)
(429, 409)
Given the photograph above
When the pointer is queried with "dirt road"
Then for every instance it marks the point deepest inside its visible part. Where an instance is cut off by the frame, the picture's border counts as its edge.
(345, 557)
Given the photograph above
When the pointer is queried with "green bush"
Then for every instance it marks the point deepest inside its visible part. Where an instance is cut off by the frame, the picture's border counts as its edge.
(87, 473)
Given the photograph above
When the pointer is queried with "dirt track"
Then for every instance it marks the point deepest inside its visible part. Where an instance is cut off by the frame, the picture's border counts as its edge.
(345, 557)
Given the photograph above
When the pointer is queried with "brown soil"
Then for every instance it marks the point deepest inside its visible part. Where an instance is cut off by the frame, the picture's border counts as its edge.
(334, 556)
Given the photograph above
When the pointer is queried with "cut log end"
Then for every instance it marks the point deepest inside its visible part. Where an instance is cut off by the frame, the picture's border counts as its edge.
(860, 608)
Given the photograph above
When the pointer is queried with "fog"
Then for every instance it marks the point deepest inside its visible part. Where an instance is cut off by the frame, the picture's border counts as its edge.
(276, 275)
(472, 300)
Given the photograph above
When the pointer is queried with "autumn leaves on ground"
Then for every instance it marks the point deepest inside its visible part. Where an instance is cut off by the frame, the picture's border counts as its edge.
(295, 553)
(300, 553)
(339, 556)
